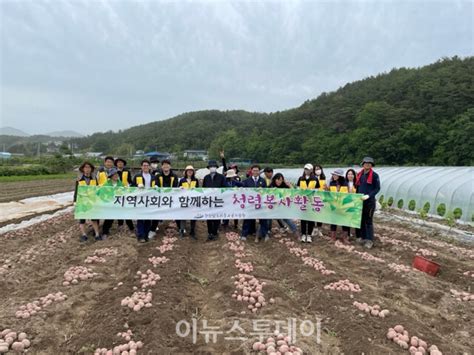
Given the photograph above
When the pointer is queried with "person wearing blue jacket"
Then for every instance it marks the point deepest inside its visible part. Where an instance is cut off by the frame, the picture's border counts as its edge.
(367, 183)
(255, 181)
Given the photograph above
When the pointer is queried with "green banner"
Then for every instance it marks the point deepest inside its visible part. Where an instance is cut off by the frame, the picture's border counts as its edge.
(107, 202)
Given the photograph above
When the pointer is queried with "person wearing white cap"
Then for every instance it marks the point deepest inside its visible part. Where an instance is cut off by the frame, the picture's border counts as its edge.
(189, 181)
(307, 181)
(233, 180)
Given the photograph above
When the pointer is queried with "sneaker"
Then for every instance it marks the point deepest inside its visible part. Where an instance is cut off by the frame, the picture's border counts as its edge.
(360, 241)
(309, 239)
(242, 238)
(104, 236)
(368, 244)
(315, 232)
(98, 237)
(320, 234)
(267, 238)
(181, 233)
(283, 230)
(151, 234)
(83, 238)
(142, 240)
(303, 238)
(256, 239)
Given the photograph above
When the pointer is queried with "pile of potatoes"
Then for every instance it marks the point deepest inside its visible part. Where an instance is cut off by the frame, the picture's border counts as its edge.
(100, 255)
(165, 247)
(399, 267)
(299, 252)
(13, 341)
(249, 289)
(126, 335)
(363, 254)
(237, 248)
(374, 310)
(317, 265)
(462, 295)
(29, 255)
(416, 346)
(343, 285)
(138, 300)
(75, 274)
(30, 309)
(130, 348)
(158, 260)
(243, 267)
(425, 252)
(148, 278)
(232, 236)
(56, 240)
(278, 344)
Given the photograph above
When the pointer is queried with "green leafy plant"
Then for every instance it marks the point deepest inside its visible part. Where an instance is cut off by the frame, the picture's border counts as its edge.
(423, 214)
(441, 209)
(450, 220)
(400, 203)
(390, 201)
(457, 213)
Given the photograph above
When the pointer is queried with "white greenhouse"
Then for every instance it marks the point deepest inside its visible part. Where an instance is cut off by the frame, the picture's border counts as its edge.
(440, 191)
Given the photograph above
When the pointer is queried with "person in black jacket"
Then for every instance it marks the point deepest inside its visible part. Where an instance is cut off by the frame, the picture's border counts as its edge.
(307, 181)
(144, 179)
(367, 183)
(126, 178)
(154, 166)
(250, 224)
(213, 179)
(166, 178)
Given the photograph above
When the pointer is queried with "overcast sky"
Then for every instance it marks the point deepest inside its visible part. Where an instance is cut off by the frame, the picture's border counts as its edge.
(96, 65)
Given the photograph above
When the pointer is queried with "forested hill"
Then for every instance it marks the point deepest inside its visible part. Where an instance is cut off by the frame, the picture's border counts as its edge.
(407, 116)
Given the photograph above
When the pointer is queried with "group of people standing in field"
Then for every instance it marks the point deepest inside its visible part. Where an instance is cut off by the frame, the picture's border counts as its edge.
(115, 173)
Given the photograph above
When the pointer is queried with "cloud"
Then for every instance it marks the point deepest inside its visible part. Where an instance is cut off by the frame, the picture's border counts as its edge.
(97, 65)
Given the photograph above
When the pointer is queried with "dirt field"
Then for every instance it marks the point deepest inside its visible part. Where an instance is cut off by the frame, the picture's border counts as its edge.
(196, 282)
(15, 191)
